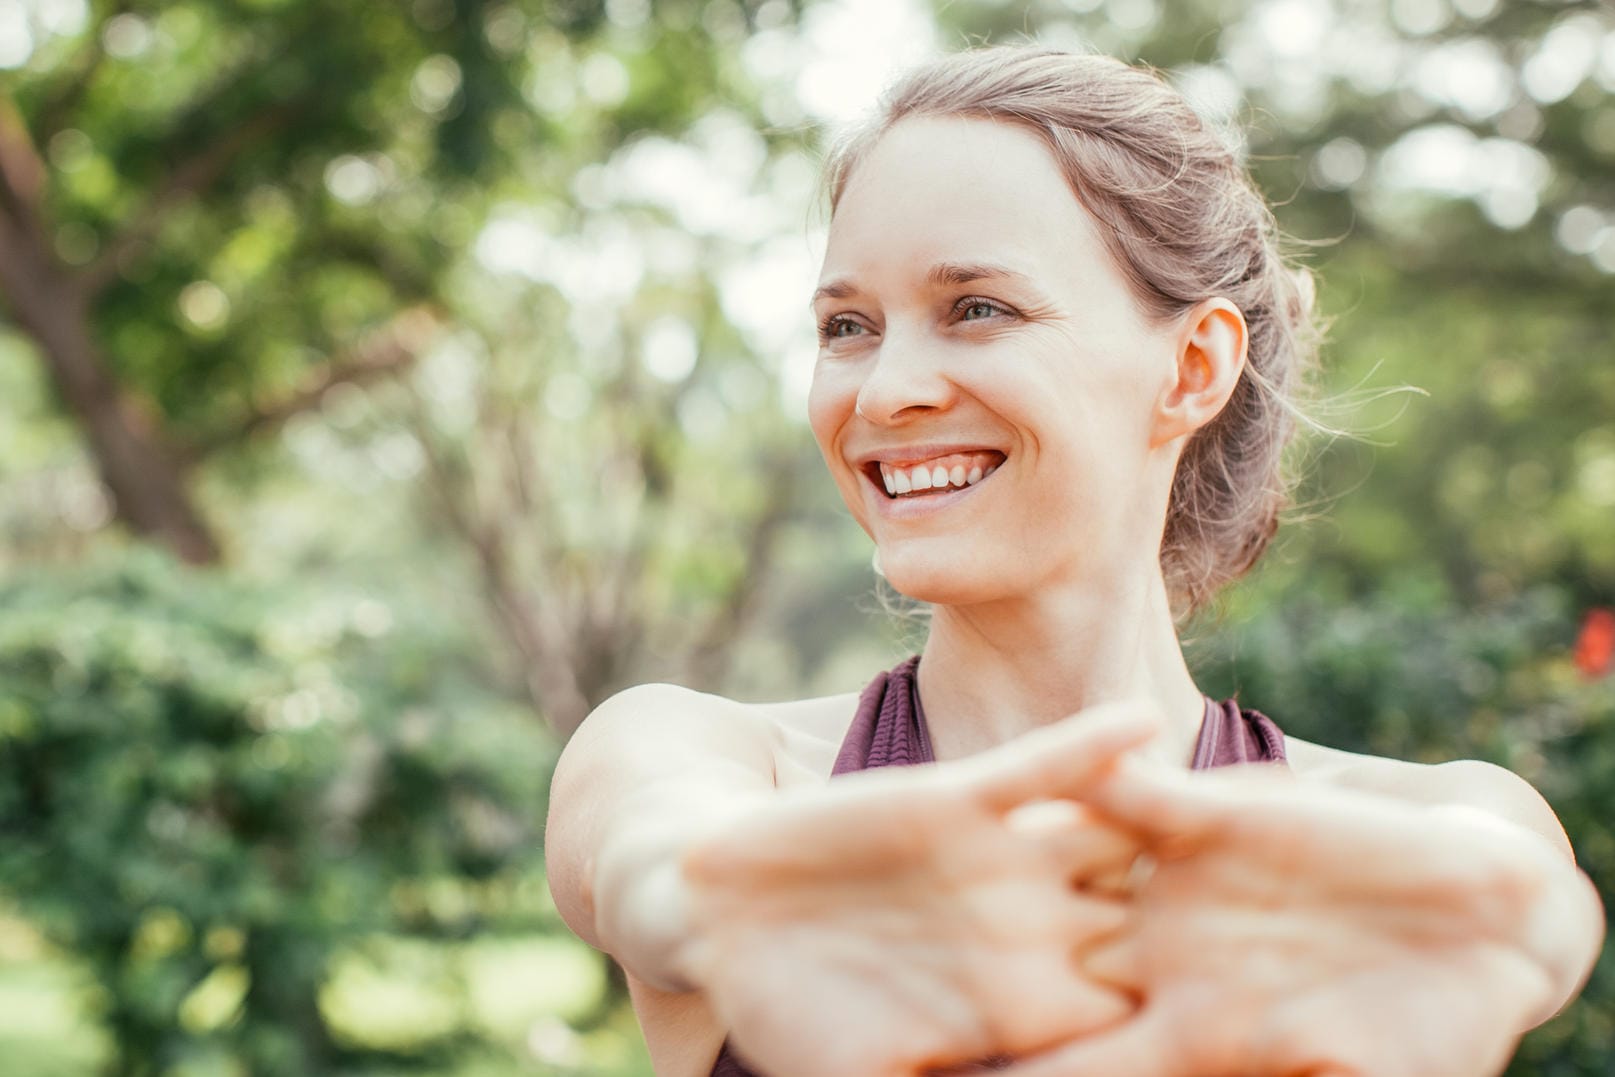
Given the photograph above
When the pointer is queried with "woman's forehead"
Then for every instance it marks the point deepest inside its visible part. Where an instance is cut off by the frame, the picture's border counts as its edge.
(958, 156)
(953, 190)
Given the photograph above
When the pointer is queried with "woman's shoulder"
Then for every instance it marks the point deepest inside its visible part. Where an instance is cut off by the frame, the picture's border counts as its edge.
(1397, 777)
(1468, 782)
(660, 701)
(801, 736)
(1336, 766)
(807, 736)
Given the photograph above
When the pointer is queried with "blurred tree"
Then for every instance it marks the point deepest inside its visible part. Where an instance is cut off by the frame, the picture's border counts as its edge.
(213, 214)
(162, 179)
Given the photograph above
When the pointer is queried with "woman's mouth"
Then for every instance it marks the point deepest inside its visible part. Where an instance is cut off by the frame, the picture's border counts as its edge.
(940, 474)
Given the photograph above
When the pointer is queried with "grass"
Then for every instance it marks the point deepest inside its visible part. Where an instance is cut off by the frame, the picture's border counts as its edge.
(42, 1029)
(509, 999)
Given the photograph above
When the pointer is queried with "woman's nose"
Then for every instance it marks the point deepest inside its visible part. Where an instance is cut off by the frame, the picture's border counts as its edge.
(905, 381)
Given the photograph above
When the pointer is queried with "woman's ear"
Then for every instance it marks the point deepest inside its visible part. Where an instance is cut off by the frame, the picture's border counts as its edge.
(1210, 357)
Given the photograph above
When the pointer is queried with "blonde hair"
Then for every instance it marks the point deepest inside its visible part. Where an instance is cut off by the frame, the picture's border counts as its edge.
(1184, 223)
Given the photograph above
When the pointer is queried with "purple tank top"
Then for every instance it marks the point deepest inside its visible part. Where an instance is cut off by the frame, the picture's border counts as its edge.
(889, 731)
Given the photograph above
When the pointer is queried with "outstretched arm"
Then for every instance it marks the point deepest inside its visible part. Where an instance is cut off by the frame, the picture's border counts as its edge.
(1351, 927)
(1565, 930)
(651, 773)
(889, 922)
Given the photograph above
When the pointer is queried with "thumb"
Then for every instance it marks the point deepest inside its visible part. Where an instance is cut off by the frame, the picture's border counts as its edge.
(1136, 1049)
(1062, 760)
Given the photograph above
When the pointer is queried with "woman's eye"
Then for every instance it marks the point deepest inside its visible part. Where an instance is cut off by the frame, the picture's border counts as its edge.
(974, 310)
(838, 325)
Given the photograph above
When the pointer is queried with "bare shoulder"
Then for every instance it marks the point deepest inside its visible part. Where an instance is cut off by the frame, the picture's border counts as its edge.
(807, 735)
(1469, 782)
(652, 709)
(658, 755)
(798, 738)
(650, 757)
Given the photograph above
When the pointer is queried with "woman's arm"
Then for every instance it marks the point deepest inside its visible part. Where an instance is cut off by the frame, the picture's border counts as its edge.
(1564, 930)
(1369, 924)
(649, 775)
(888, 922)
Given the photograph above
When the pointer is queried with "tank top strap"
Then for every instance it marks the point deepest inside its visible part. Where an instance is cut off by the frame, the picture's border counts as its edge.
(1230, 736)
(888, 729)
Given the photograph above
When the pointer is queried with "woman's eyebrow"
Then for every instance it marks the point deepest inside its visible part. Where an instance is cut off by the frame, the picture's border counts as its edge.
(965, 272)
(840, 288)
(941, 274)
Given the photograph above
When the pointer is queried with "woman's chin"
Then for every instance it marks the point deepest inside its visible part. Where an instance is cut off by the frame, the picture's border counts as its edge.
(939, 584)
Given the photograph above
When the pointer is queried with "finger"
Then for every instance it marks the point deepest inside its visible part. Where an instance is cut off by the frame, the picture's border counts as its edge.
(1138, 1048)
(1085, 846)
(1161, 803)
(1116, 883)
(1061, 760)
(1076, 1008)
(1115, 962)
(1124, 881)
(1088, 921)
(1061, 1007)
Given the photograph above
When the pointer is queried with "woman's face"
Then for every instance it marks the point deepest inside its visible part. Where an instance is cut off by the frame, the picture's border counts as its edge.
(986, 391)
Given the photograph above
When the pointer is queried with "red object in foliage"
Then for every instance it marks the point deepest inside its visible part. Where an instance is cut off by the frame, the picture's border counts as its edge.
(1595, 646)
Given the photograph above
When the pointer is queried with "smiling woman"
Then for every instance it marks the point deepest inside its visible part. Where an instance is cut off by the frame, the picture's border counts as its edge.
(1058, 351)
(1034, 348)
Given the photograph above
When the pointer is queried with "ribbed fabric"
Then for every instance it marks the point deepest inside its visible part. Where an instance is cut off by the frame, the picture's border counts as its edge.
(889, 731)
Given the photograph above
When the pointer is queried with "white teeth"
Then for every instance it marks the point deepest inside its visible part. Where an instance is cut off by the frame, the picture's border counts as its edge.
(899, 481)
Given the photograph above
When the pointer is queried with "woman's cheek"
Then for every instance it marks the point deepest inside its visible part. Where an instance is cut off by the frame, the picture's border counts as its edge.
(832, 401)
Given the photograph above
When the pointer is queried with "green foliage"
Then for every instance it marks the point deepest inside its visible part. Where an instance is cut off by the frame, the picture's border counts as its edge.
(315, 167)
(207, 792)
(1410, 676)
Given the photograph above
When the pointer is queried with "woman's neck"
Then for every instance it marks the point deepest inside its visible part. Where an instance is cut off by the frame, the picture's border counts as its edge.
(994, 671)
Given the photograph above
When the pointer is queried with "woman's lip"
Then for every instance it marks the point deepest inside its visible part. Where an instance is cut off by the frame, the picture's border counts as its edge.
(909, 455)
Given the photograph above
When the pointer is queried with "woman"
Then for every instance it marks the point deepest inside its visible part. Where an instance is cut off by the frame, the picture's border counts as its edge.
(1058, 351)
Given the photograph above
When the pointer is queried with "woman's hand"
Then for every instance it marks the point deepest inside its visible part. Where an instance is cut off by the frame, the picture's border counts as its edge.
(904, 919)
(1292, 928)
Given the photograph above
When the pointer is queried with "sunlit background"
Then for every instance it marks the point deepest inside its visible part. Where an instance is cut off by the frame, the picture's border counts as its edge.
(382, 385)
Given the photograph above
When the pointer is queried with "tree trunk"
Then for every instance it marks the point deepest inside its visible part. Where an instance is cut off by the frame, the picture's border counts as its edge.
(144, 476)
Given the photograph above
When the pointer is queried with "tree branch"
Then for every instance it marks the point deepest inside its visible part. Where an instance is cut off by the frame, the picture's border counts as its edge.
(22, 173)
(387, 351)
(712, 654)
(77, 76)
(189, 178)
(539, 642)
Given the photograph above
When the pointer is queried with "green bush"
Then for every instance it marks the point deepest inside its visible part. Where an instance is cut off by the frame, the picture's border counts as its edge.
(208, 790)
